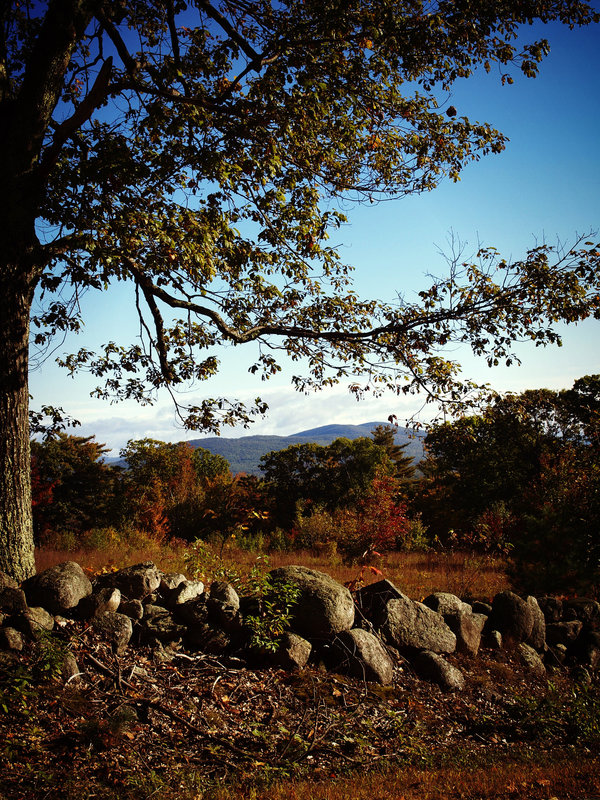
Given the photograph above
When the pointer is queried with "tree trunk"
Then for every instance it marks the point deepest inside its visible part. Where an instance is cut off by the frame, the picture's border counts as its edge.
(16, 530)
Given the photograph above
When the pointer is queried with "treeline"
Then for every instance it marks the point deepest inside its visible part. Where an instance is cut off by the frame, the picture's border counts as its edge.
(521, 479)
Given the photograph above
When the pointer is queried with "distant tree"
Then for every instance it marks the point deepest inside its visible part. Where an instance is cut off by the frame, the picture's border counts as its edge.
(330, 476)
(209, 465)
(385, 436)
(74, 490)
(233, 505)
(497, 476)
(556, 546)
(166, 494)
(200, 153)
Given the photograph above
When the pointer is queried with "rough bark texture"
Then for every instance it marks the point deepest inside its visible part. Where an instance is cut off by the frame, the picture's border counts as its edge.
(16, 531)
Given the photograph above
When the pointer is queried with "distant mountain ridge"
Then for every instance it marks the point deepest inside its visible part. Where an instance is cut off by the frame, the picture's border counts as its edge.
(244, 452)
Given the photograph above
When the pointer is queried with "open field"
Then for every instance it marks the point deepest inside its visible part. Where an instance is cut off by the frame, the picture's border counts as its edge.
(416, 574)
(138, 727)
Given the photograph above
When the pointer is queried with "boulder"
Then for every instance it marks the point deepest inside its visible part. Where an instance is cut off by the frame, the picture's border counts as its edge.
(563, 632)
(361, 655)
(184, 591)
(116, 629)
(293, 652)
(531, 660)
(552, 608)
(12, 600)
(512, 617)
(371, 600)
(446, 603)
(433, 667)
(58, 589)
(170, 581)
(100, 602)
(410, 626)
(70, 672)
(467, 628)
(225, 593)
(584, 609)
(324, 607)
(158, 624)
(537, 637)
(11, 639)
(34, 622)
(136, 582)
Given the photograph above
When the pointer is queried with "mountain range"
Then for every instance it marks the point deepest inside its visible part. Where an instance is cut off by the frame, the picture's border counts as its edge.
(244, 452)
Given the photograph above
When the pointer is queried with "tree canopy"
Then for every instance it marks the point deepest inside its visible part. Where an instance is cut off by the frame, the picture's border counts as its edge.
(200, 152)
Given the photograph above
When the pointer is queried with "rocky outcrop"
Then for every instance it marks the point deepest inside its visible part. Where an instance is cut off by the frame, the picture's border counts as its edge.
(364, 635)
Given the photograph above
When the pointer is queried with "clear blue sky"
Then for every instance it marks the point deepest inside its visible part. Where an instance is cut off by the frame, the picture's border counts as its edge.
(546, 183)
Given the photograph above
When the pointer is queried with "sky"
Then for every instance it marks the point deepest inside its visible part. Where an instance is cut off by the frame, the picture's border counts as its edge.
(544, 185)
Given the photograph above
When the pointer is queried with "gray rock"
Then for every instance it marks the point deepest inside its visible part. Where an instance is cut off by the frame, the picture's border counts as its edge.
(138, 581)
(116, 629)
(11, 639)
(531, 660)
(512, 617)
(410, 626)
(159, 624)
(101, 601)
(371, 600)
(467, 628)
(170, 581)
(58, 589)
(184, 591)
(552, 608)
(537, 637)
(584, 609)
(293, 652)
(134, 609)
(12, 600)
(563, 632)
(361, 655)
(34, 622)
(324, 606)
(493, 639)
(446, 603)
(433, 667)
(481, 607)
(225, 593)
(70, 670)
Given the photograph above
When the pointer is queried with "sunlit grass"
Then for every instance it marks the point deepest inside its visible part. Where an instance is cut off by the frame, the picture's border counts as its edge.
(494, 781)
(416, 574)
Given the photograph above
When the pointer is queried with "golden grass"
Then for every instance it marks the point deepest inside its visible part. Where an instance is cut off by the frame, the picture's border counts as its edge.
(416, 574)
(501, 781)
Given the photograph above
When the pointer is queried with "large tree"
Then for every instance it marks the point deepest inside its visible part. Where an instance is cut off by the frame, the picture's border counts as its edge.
(196, 151)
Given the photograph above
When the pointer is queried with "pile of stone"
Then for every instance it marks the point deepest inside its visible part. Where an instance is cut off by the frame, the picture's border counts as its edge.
(364, 634)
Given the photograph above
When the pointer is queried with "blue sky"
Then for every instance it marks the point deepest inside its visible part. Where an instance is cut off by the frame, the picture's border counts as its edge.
(545, 184)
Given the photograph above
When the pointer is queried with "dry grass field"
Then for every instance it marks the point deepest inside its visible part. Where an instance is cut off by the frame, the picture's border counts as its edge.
(416, 574)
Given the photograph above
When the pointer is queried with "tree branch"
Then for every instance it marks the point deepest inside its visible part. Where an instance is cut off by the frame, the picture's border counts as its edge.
(83, 112)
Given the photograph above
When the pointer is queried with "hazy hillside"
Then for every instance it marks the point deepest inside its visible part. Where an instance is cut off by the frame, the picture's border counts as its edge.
(244, 452)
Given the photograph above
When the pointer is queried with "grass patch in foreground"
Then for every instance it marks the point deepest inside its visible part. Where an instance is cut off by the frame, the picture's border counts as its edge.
(509, 780)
